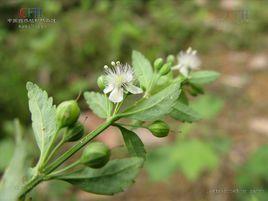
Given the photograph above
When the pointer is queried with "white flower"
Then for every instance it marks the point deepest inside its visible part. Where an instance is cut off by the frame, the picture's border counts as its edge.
(187, 61)
(119, 79)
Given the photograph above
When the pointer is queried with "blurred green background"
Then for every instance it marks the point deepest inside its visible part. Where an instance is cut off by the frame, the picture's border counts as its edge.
(224, 157)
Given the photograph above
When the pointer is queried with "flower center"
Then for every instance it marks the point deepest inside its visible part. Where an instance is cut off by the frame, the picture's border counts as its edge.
(119, 80)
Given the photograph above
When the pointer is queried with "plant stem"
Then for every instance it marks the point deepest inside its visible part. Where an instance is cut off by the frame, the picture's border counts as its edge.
(61, 171)
(59, 161)
(128, 125)
(30, 185)
(78, 146)
(154, 79)
(54, 150)
(43, 158)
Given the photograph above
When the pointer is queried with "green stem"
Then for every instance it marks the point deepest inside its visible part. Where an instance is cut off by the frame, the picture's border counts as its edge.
(154, 79)
(42, 161)
(108, 105)
(30, 185)
(61, 171)
(59, 161)
(54, 150)
(128, 125)
(118, 106)
(79, 145)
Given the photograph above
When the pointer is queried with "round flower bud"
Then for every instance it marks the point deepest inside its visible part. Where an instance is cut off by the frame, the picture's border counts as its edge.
(67, 113)
(159, 128)
(95, 155)
(100, 82)
(165, 69)
(171, 59)
(74, 133)
(158, 63)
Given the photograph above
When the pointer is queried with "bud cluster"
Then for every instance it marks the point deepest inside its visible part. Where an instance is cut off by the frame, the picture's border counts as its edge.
(164, 68)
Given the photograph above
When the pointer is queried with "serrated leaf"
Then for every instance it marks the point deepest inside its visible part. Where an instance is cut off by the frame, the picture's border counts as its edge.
(13, 177)
(98, 103)
(191, 157)
(143, 69)
(114, 177)
(214, 103)
(203, 77)
(133, 142)
(195, 156)
(43, 115)
(155, 106)
(159, 165)
(184, 113)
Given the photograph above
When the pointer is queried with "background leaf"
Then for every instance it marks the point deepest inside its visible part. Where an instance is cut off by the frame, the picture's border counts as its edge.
(114, 177)
(155, 106)
(98, 103)
(43, 115)
(7, 147)
(184, 113)
(202, 103)
(203, 77)
(143, 69)
(13, 177)
(133, 142)
(191, 157)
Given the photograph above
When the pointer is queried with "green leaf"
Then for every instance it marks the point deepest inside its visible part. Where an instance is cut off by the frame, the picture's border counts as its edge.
(254, 171)
(98, 103)
(43, 115)
(13, 177)
(156, 106)
(191, 157)
(184, 113)
(253, 174)
(194, 157)
(159, 165)
(133, 142)
(203, 77)
(7, 147)
(114, 177)
(214, 103)
(143, 69)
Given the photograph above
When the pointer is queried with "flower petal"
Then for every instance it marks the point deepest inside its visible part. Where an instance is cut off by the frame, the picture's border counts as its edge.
(133, 89)
(176, 67)
(184, 71)
(108, 89)
(116, 95)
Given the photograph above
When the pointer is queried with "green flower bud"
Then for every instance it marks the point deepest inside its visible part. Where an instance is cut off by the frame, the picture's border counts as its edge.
(171, 59)
(67, 113)
(100, 82)
(165, 69)
(74, 133)
(159, 128)
(158, 63)
(95, 155)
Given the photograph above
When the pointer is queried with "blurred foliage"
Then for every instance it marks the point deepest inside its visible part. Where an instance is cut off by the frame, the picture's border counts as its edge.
(7, 147)
(191, 157)
(253, 175)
